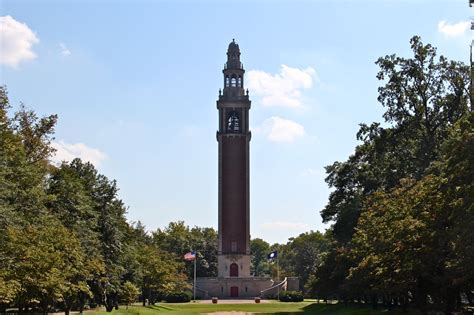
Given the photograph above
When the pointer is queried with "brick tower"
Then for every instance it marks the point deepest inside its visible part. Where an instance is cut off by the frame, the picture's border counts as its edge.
(233, 137)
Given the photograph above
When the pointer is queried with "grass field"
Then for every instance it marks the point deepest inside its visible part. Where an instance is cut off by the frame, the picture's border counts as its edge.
(307, 307)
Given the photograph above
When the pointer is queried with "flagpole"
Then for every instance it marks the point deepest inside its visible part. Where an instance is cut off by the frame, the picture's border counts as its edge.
(194, 287)
(278, 279)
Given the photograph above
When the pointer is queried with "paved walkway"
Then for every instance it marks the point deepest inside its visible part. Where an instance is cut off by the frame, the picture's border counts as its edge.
(225, 301)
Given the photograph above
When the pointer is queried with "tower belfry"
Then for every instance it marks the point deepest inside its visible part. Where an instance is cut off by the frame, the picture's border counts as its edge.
(233, 137)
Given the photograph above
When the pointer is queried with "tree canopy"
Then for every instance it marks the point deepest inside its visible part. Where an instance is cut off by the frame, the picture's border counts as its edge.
(401, 206)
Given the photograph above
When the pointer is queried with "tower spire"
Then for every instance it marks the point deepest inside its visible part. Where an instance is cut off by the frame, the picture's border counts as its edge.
(233, 73)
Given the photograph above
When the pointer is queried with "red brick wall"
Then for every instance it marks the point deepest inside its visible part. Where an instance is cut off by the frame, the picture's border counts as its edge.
(234, 214)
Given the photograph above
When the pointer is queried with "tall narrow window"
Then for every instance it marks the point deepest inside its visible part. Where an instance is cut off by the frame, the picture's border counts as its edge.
(239, 82)
(227, 81)
(233, 82)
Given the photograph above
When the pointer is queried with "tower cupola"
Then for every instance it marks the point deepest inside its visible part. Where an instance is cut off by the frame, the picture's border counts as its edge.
(233, 56)
(233, 72)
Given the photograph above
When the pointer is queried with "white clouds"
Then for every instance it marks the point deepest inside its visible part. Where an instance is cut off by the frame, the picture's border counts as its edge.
(64, 50)
(278, 129)
(282, 89)
(453, 30)
(16, 41)
(312, 172)
(68, 152)
(284, 225)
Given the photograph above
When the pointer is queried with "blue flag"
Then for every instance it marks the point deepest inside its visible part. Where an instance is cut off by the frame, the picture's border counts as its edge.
(273, 255)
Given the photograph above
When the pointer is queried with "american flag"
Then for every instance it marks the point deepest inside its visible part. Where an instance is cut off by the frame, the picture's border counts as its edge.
(190, 256)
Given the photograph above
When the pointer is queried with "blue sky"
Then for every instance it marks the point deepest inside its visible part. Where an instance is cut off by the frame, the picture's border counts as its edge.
(135, 84)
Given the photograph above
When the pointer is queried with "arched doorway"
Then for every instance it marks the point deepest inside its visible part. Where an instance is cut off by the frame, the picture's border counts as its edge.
(234, 270)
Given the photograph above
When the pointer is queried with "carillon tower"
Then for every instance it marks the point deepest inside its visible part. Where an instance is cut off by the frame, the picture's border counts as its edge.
(233, 137)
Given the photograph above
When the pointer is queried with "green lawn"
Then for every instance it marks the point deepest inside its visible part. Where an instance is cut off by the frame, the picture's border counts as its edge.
(307, 307)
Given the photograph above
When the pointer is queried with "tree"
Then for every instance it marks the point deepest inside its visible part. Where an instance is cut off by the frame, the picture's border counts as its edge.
(87, 203)
(73, 204)
(423, 97)
(129, 293)
(259, 264)
(398, 243)
(46, 261)
(302, 255)
(179, 239)
(158, 272)
(456, 168)
(23, 163)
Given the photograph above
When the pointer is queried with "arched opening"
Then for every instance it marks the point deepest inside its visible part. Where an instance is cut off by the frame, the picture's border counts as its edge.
(239, 82)
(233, 122)
(233, 82)
(227, 82)
(234, 270)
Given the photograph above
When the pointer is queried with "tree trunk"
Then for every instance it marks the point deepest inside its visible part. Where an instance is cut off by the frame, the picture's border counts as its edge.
(374, 301)
(420, 299)
(44, 307)
(81, 299)
(404, 303)
(450, 300)
(144, 295)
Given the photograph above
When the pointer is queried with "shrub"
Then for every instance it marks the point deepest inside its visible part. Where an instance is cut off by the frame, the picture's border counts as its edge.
(178, 297)
(291, 296)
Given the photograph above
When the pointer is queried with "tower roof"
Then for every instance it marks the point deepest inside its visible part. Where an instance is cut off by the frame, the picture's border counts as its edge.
(233, 46)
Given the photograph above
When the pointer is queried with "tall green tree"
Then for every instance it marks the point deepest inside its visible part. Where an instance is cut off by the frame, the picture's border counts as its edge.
(73, 204)
(417, 238)
(259, 264)
(178, 238)
(47, 262)
(25, 151)
(302, 255)
(159, 273)
(423, 97)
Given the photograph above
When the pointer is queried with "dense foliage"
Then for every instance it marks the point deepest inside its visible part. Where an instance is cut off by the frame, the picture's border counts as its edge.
(178, 297)
(66, 241)
(291, 296)
(401, 205)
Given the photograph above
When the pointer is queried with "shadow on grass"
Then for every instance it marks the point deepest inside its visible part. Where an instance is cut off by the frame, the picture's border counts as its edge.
(159, 307)
(339, 309)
